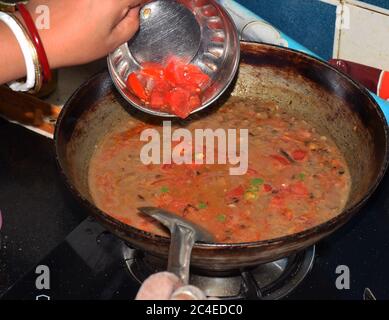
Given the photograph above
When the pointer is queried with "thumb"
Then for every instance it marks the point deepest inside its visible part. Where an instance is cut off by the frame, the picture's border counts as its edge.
(127, 27)
(158, 286)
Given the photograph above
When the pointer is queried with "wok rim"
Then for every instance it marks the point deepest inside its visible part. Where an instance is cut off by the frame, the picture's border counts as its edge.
(325, 228)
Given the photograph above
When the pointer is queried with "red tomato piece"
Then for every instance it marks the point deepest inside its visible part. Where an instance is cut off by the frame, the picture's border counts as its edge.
(236, 192)
(299, 154)
(267, 187)
(181, 74)
(178, 100)
(174, 68)
(157, 99)
(280, 159)
(161, 85)
(277, 202)
(177, 86)
(193, 89)
(170, 73)
(134, 84)
(199, 79)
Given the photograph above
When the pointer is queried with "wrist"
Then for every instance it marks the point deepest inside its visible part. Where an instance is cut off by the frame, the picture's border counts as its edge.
(11, 52)
(46, 38)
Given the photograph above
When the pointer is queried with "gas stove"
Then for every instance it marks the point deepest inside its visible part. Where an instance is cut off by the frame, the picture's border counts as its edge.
(93, 264)
(90, 263)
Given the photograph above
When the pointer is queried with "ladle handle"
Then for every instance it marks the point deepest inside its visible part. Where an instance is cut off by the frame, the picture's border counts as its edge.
(181, 244)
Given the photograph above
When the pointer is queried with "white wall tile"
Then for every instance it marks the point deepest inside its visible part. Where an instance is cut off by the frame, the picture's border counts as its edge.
(366, 39)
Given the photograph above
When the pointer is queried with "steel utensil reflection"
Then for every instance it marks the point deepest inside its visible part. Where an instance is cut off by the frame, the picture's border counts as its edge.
(183, 236)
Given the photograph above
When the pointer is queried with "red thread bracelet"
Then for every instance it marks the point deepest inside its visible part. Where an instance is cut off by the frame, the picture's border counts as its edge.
(42, 57)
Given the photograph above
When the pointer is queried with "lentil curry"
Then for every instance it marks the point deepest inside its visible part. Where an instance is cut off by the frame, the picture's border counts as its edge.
(296, 178)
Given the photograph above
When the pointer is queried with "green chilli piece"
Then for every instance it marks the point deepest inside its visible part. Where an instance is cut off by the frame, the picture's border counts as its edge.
(301, 176)
(202, 205)
(221, 218)
(164, 189)
(257, 181)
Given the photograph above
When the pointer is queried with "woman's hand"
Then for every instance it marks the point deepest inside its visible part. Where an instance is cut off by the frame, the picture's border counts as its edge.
(78, 32)
(83, 31)
(167, 286)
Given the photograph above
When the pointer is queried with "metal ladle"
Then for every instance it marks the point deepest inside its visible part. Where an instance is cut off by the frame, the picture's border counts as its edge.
(183, 236)
(200, 32)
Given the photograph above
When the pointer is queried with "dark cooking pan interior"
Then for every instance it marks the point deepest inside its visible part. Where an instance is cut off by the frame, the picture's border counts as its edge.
(302, 85)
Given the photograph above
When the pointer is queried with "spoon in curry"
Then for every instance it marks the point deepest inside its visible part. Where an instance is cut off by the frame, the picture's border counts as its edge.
(184, 234)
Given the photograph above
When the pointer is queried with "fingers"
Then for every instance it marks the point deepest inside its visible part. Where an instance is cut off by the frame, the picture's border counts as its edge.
(159, 286)
(133, 3)
(188, 293)
(127, 27)
(165, 286)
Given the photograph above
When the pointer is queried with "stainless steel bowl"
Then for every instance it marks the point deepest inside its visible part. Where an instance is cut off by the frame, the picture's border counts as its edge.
(200, 31)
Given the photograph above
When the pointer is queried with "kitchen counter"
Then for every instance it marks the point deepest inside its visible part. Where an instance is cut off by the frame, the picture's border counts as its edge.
(38, 212)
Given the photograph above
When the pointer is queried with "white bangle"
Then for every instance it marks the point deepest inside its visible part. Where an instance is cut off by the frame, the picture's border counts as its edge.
(25, 46)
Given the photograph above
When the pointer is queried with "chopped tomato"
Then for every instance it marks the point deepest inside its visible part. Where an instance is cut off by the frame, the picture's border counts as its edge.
(180, 74)
(267, 187)
(161, 85)
(299, 154)
(175, 88)
(171, 70)
(277, 202)
(136, 86)
(177, 99)
(170, 75)
(200, 79)
(236, 192)
(193, 89)
(157, 99)
(280, 159)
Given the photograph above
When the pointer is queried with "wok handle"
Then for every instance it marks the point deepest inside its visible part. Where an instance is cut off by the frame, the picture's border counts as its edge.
(181, 245)
(27, 109)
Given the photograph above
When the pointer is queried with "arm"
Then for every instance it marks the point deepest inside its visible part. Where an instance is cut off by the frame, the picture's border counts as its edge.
(79, 32)
(11, 58)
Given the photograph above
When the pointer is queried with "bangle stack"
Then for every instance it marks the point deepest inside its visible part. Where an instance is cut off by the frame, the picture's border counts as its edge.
(37, 65)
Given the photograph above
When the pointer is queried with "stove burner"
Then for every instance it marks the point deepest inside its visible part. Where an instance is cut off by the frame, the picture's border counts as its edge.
(270, 281)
